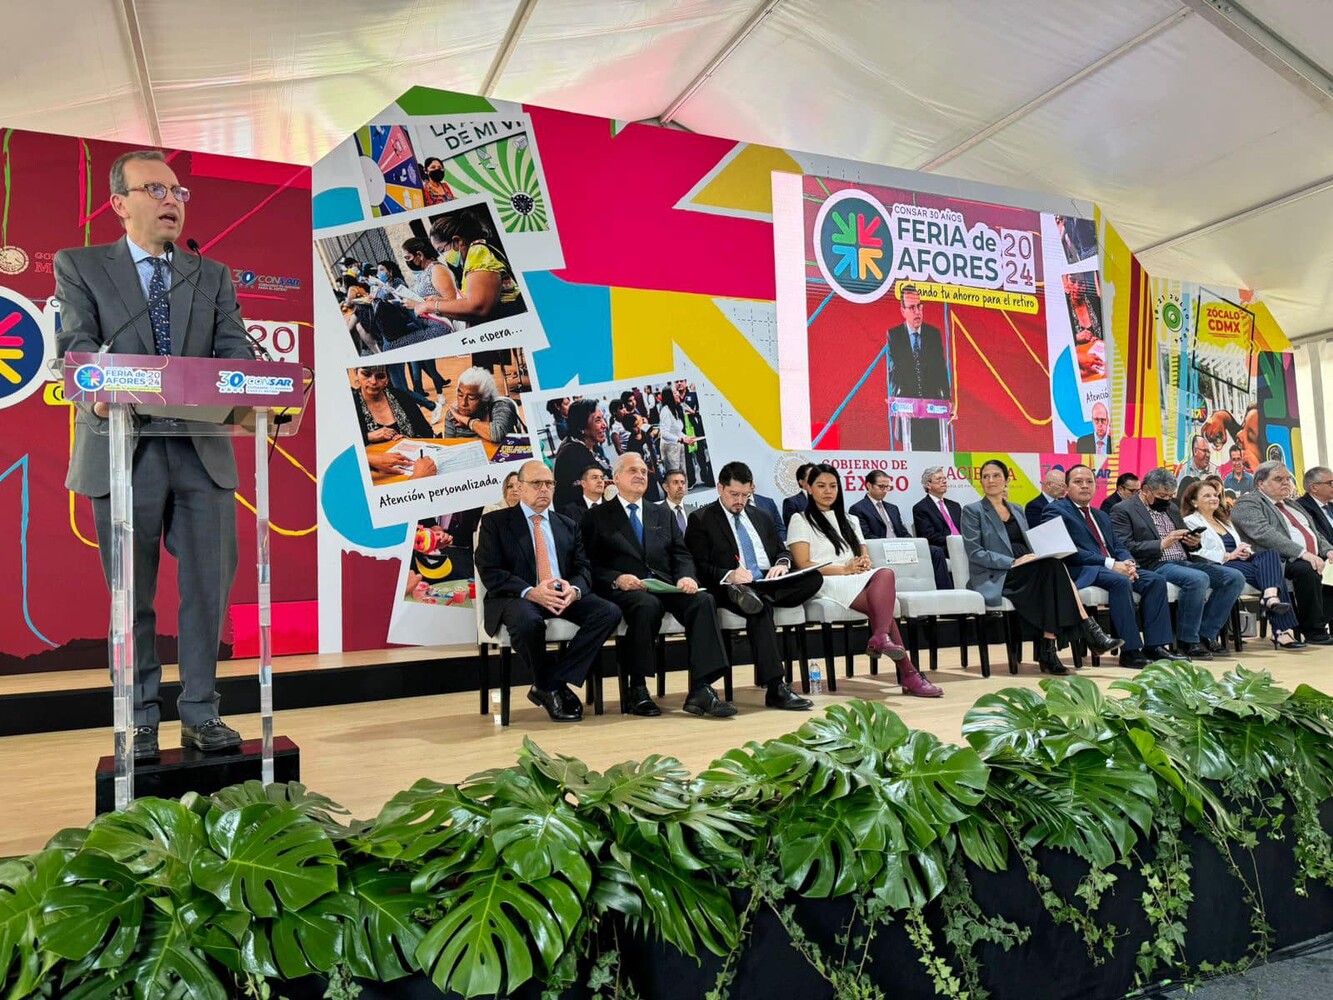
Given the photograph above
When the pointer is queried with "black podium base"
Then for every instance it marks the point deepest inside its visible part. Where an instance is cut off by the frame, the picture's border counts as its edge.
(180, 771)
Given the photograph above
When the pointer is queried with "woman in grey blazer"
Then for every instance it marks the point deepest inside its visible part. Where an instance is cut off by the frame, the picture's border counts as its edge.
(999, 555)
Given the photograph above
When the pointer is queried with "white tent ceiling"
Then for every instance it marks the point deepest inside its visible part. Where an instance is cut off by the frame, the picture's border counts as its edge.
(1204, 128)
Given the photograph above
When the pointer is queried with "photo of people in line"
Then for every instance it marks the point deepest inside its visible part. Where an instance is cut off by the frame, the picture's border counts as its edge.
(419, 418)
(421, 279)
(659, 420)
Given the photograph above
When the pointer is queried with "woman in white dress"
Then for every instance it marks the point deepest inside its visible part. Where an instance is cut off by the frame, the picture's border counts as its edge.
(824, 533)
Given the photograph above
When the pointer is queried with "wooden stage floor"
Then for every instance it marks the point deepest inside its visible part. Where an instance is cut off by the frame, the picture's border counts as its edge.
(362, 754)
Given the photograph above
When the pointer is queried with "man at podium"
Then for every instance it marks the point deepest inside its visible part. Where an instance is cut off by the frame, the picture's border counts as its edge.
(136, 296)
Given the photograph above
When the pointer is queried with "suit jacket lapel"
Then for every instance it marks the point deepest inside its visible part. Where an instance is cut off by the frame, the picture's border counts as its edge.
(125, 280)
(523, 540)
(186, 268)
(989, 512)
(622, 522)
(722, 524)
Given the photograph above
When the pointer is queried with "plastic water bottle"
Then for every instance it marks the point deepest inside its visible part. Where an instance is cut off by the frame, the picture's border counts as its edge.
(495, 707)
(816, 678)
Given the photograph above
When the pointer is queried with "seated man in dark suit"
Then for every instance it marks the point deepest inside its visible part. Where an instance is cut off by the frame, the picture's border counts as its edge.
(1126, 487)
(734, 545)
(1101, 561)
(1318, 502)
(795, 503)
(1052, 489)
(879, 518)
(769, 507)
(1155, 534)
(532, 563)
(630, 542)
(593, 485)
(935, 517)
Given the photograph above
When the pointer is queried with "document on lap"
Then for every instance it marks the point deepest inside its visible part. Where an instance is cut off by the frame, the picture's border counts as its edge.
(659, 587)
(760, 581)
(1051, 540)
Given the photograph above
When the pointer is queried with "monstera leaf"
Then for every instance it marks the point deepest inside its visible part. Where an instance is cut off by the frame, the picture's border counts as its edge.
(24, 884)
(320, 808)
(156, 839)
(684, 908)
(264, 858)
(1080, 705)
(382, 942)
(1015, 724)
(95, 912)
(856, 734)
(429, 818)
(300, 942)
(930, 782)
(1090, 804)
(494, 924)
(829, 847)
(169, 963)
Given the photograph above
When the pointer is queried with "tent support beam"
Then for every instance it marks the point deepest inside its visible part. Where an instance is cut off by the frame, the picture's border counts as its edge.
(517, 23)
(1266, 45)
(756, 18)
(1281, 201)
(135, 33)
(990, 130)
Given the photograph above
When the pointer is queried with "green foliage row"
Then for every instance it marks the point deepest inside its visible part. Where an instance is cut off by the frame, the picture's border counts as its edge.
(520, 873)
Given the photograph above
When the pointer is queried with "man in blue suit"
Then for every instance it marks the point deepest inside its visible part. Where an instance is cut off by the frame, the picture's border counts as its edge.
(879, 518)
(1102, 561)
(795, 503)
(769, 506)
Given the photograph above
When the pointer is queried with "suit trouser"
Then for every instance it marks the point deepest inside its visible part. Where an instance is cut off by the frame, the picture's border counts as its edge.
(643, 618)
(939, 562)
(1195, 616)
(176, 501)
(759, 627)
(1156, 614)
(1308, 591)
(526, 622)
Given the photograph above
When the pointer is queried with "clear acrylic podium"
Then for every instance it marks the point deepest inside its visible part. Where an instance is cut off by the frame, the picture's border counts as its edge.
(177, 396)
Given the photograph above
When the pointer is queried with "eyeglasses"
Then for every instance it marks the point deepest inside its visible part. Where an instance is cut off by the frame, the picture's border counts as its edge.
(1323, 482)
(159, 191)
(540, 484)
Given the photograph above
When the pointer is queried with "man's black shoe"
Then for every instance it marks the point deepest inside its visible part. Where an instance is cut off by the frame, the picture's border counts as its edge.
(145, 743)
(745, 598)
(640, 702)
(1215, 646)
(1155, 653)
(1133, 659)
(703, 700)
(1195, 651)
(781, 696)
(210, 736)
(554, 703)
(1318, 639)
(570, 699)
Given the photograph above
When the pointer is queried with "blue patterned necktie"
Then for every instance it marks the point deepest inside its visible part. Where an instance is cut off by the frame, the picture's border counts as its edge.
(159, 307)
(635, 523)
(747, 549)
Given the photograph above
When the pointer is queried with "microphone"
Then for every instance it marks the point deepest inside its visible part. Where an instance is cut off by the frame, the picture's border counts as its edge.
(257, 349)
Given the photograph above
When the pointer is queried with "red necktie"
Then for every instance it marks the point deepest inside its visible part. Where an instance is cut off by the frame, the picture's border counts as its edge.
(1092, 526)
(1309, 538)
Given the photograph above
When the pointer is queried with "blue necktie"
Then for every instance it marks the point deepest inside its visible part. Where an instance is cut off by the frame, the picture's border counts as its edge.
(159, 308)
(635, 523)
(747, 549)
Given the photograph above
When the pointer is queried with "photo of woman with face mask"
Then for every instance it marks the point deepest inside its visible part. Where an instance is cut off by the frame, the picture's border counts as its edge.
(437, 192)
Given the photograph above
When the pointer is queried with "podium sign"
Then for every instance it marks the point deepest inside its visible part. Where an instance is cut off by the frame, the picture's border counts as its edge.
(180, 396)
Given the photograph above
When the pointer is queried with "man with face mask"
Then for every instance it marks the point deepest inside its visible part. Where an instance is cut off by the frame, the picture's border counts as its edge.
(1155, 534)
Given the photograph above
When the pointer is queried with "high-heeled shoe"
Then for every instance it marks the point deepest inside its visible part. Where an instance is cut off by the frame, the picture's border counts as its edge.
(1274, 606)
(913, 683)
(1291, 643)
(1048, 658)
(882, 645)
(1098, 641)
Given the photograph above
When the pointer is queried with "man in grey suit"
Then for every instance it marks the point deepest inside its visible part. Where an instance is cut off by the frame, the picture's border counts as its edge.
(130, 297)
(1268, 519)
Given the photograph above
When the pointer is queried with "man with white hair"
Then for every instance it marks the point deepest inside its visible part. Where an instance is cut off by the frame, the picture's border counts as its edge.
(479, 410)
(1269, 519)
(935, 517)
(634, 546)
